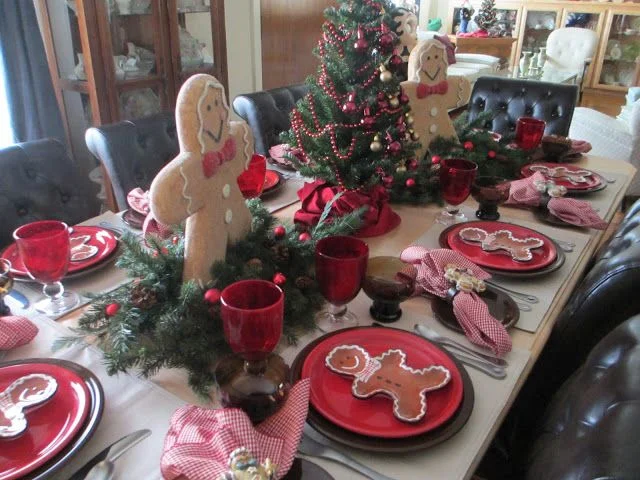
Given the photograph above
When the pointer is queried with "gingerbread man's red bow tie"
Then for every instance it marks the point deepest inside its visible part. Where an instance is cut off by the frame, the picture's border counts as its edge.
(211, 161)
(437, 89)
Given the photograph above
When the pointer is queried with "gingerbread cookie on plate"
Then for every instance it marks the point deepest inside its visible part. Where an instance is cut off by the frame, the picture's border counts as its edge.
(518, 248)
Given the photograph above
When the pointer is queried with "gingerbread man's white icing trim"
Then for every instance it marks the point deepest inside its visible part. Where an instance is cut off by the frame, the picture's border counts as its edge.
(201, 100)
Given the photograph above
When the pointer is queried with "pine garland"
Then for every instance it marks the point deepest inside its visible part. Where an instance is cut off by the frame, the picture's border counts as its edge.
(179, 329)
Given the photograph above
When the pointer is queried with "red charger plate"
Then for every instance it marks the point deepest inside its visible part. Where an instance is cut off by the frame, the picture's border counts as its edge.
(500, 259)
(101, 239)
(593, 181)
(51, 426)
(331, 393)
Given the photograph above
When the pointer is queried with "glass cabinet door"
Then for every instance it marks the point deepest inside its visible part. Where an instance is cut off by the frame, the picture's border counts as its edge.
(537, 26)
(620, 52)
(506, 21)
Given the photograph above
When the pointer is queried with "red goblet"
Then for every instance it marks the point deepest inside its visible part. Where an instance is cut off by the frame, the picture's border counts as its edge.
(529, 132)
(251, 181)
(341, 265)
(253, 378)
(44, 249)
(456, 177)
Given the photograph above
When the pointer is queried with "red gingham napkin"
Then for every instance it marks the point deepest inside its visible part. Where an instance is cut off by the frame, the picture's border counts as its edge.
(16, 331)
(138, 200)
(200, 440)
(472, 313)
(575, 212)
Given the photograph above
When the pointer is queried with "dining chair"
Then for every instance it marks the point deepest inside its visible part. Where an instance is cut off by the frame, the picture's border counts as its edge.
(40, 181)
(511, 98)
(133, 152)
(267, 113)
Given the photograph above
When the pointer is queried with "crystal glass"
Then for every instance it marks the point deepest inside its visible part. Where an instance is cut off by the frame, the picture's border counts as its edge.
(44, 249)
(252, 378)
(529, 132)
(341, 265)
(456, 177)
(490, 192)
(6, 283)
(251, 181)
(387, 287)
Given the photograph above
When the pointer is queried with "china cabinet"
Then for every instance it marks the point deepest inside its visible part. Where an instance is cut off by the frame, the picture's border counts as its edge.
(113, 60)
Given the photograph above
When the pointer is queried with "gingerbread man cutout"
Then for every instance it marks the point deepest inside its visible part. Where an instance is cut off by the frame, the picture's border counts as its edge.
(518, 248)
(200, 184)
(407, 31)
(26, 392)
(389, 375)
(432, 94)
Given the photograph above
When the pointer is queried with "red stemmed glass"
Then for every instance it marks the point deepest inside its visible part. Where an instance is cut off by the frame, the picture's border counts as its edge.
(456, 177)
(341, 265)
(44, 249)
(251, 181)
(253, 378)
(529, 132)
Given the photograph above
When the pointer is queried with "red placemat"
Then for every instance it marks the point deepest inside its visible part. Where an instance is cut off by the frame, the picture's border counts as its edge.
(500, 259)
(331, 393)
(593, 180)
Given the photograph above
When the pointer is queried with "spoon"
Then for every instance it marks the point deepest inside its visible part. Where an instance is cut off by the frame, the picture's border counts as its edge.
(103, 470)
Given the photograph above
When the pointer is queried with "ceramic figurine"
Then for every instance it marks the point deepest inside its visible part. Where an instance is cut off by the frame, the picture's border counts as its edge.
(542, 57)
(525, 63)
(466, 13)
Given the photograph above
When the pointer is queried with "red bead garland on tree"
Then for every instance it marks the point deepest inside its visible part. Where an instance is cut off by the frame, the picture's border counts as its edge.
(212, 296)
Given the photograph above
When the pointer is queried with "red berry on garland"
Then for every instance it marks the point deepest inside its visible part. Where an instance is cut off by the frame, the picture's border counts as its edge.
(212, 296)
(436, 159)
(410, 182)
(491, 154)
(361, 44)
(279, 279)
(304, 237)
(279, 231)
(350, 107)
(468, 145)
(111, 309)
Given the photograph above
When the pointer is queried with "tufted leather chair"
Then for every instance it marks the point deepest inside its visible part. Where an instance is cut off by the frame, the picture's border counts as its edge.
(40, 182)
(134, 152)
(590, 429)
(267, 113)
(511, 99)
(605, 298)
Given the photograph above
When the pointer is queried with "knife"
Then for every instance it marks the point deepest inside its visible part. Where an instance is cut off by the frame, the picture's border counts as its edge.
(20, 298)
(112, 452)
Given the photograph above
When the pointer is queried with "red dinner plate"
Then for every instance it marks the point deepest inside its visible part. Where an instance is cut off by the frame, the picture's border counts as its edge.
(271, 180)
(89, 246)
(593, 179)
(51, 426)
(331, 393)
(500, 259)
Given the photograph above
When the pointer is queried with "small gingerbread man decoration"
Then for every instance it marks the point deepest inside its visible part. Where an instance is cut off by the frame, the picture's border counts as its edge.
(200, 184)
(574, 177)
(518, 248)
(407, 31)
(390, 375)
(432, 94)
(24, 393)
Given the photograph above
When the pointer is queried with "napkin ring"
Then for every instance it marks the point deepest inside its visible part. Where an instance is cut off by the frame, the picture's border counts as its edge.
(463, 280)
(549, 190)
(244, 466)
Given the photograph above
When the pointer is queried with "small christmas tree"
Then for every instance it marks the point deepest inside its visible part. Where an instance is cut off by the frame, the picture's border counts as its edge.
(487, 15)
(353, 129)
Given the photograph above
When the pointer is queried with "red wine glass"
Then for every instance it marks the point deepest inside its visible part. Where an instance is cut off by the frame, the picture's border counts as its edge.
(456, 177)
(251, 181)
(44, 249)
(253, 378)
(341, 265)
(529, 132)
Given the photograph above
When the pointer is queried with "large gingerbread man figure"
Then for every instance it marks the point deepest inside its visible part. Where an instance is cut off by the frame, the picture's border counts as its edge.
(432, 94)
(200, 184)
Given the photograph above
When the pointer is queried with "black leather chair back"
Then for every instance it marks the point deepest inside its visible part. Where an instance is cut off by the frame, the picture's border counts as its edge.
(590, 429)
(267, 113)
(134, 152)
(510, 99)
(39, 181)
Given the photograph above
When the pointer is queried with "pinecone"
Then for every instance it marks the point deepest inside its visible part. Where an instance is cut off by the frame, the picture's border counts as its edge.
(304, 282)
(280, 253)
(143, 297)
(255, 263)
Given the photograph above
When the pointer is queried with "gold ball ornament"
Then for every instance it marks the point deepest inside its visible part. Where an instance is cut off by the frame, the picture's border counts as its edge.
(385, 75)
(376, 144)
(401, 169)
(415, 136)
(394, 102)
(408, 118)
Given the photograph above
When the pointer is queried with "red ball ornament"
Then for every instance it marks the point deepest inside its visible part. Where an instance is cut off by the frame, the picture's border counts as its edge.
(468, 145)
(112, 309)
(435, 159)
(279, 279)
(350, 107)
(413, 164)
(361, 43)
(279, 231)
(212, 296)
(404, 98)
(395, 61)
(410, 182)
(491, 154)
(164, 250)
(387, 180)
(394, 147)
(368, 122)
(304, 237)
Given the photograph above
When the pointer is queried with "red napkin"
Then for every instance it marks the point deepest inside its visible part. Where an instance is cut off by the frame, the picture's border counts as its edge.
(16, 331)
(200, 440)
(138, 200)
(472, 313)
(575, 212)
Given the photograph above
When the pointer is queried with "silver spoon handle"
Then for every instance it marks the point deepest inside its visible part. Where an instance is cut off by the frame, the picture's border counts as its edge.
(351, 463)
(522, 296)
(491, 370)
